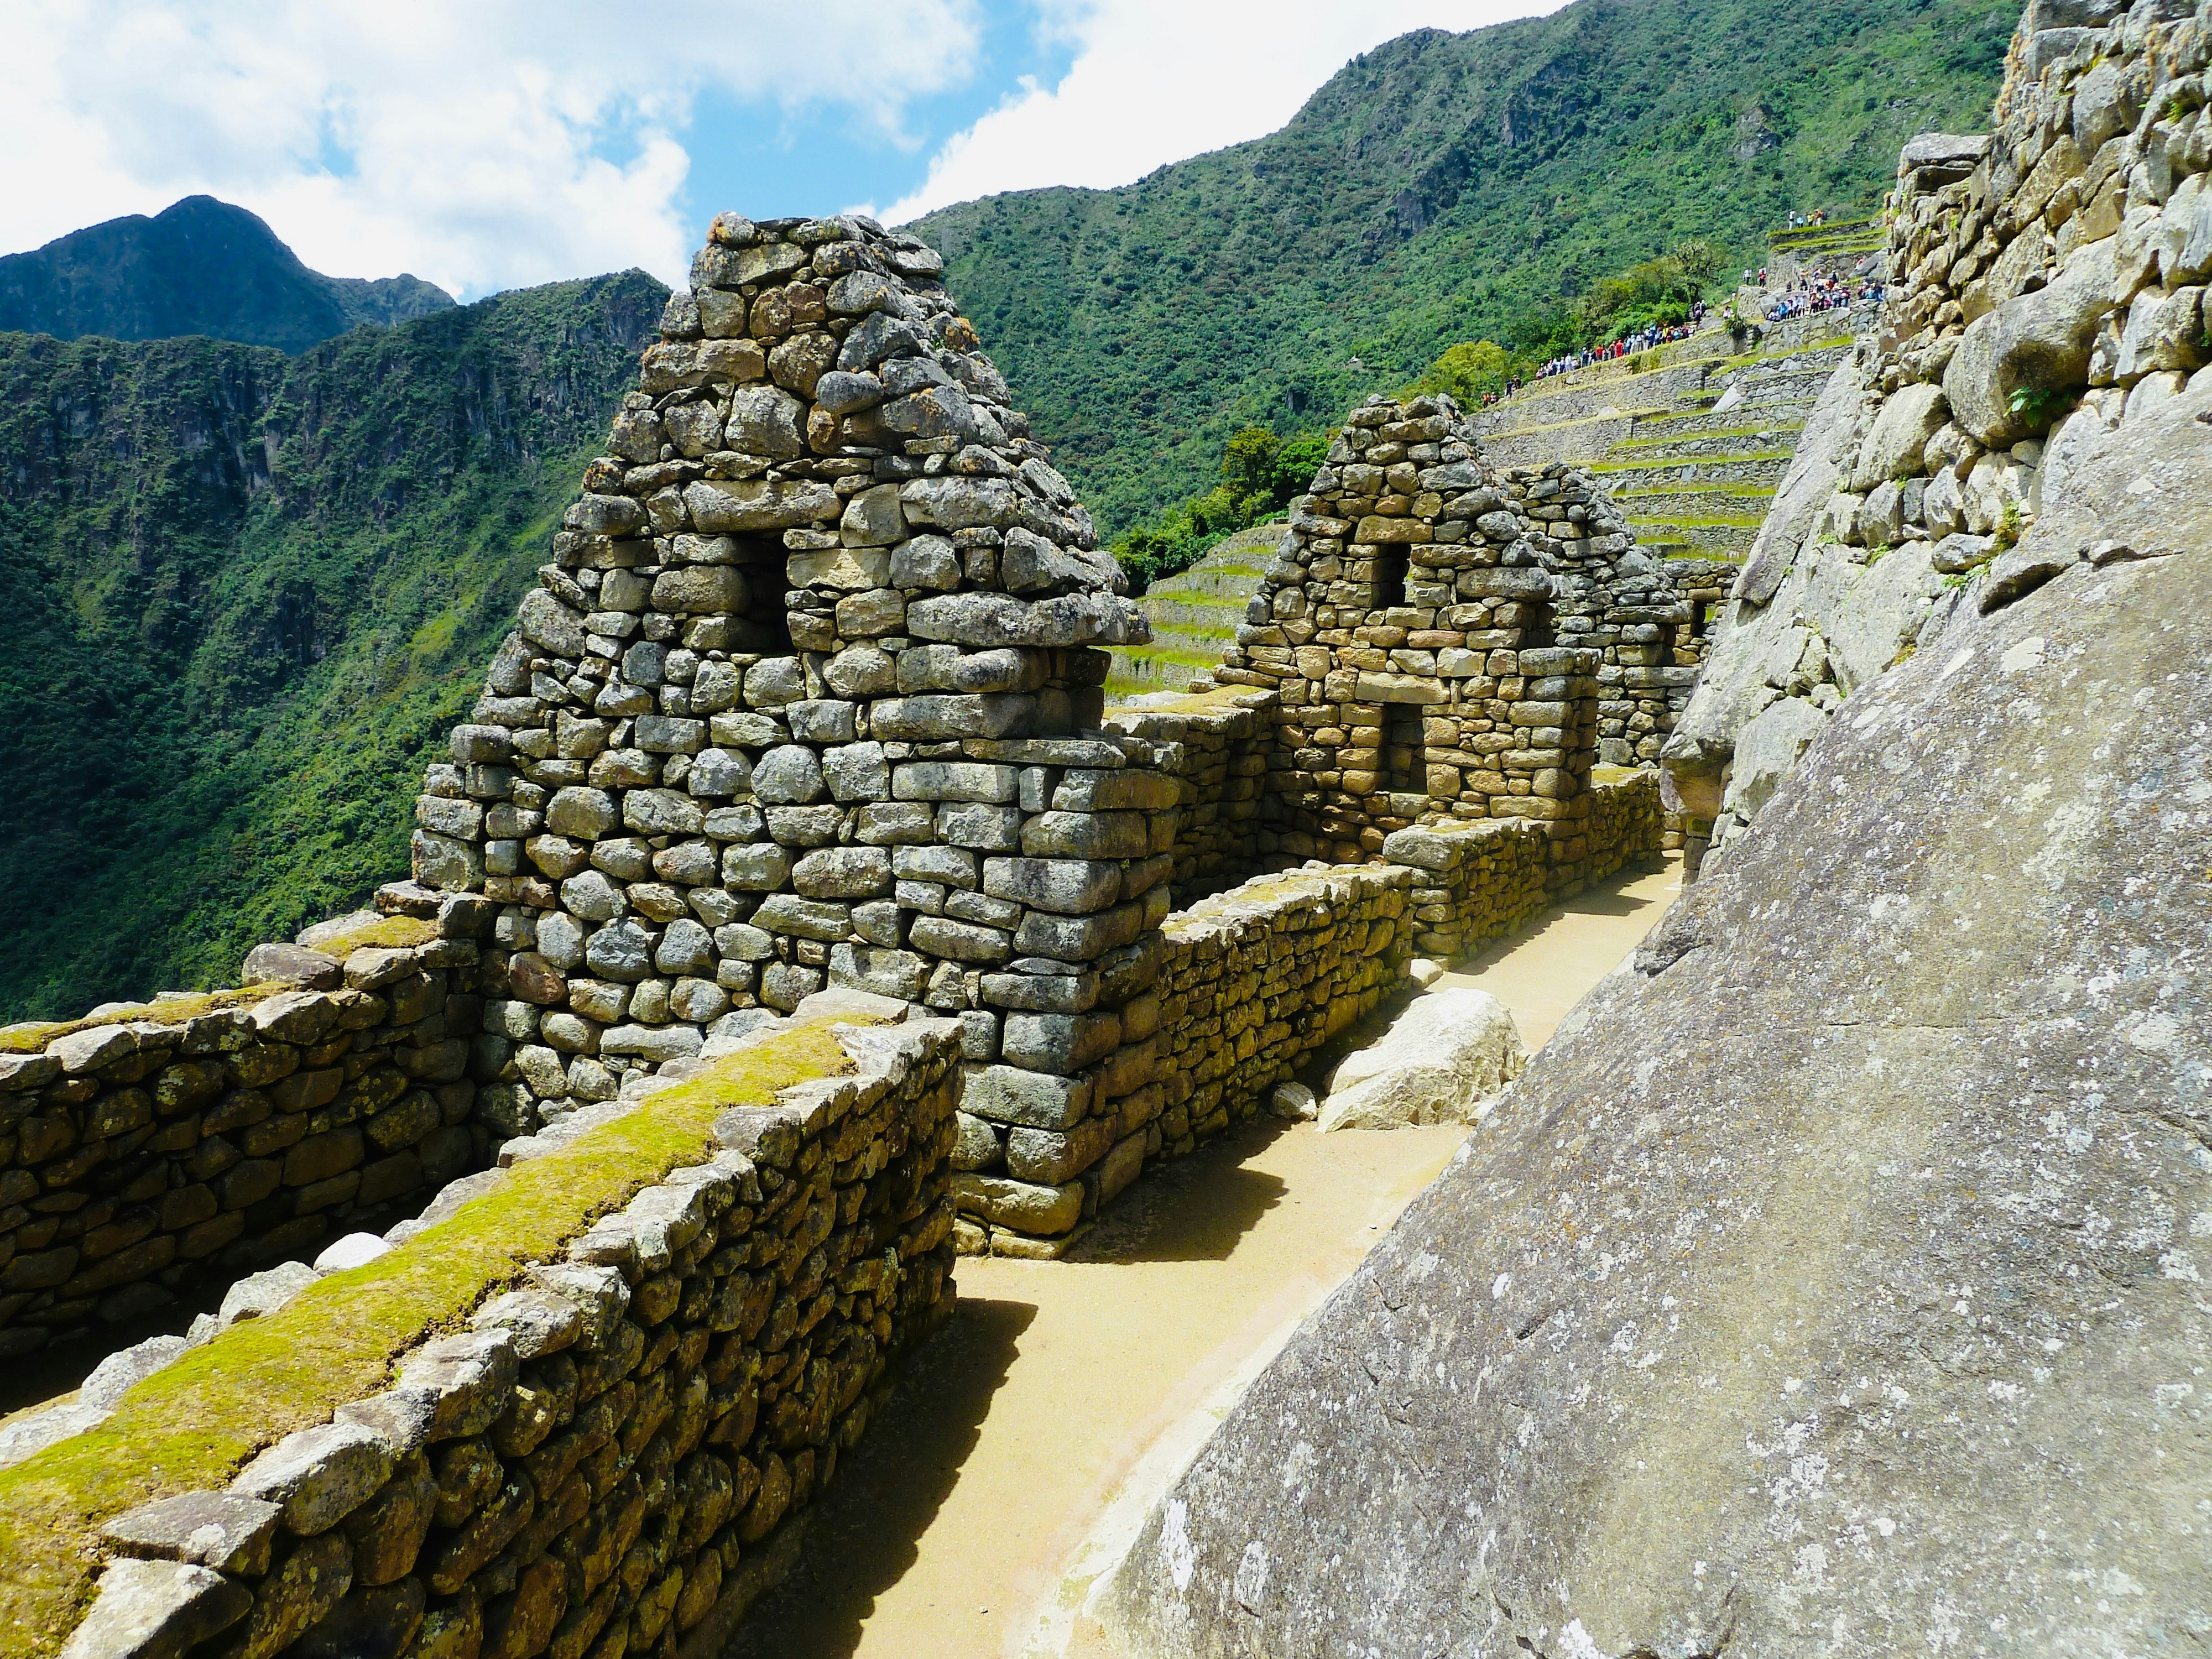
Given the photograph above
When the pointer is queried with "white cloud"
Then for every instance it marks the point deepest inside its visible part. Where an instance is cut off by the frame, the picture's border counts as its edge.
(1155, 80)
(468, 143)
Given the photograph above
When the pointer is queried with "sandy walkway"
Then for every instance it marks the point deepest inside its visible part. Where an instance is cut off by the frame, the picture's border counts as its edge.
(1033, 1428)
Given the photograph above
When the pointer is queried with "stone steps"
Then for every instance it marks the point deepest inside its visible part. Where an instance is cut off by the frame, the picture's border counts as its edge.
(1694, 479)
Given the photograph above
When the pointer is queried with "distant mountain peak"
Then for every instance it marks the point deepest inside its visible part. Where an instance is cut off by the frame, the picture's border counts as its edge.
(199, 266)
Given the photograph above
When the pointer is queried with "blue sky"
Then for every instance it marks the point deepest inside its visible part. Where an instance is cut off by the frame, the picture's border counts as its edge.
(768, 163)
(509, 141)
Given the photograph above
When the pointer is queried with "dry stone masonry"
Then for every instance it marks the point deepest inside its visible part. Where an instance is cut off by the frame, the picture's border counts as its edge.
(164, 1147)
(804, 716)
(1911, 1082)
(615, 1456)
(2048, 281)
(1435, 632)
(809, 696)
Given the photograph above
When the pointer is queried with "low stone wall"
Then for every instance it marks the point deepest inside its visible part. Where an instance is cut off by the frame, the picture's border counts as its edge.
(157, 1148)
(1259, 977)
(611, 1456)
(1244, 986)
(1216, 744)
(1627, 821)
(1471, 881)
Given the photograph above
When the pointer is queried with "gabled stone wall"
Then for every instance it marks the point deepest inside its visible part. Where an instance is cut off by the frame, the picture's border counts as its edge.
(808, 697)
(1445, 640)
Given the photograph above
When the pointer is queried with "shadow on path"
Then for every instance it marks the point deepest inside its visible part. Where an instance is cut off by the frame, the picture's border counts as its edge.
(861, 1535)
(1190, 1209)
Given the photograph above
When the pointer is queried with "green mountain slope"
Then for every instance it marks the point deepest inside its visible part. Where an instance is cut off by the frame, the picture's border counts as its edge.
(1434, 189)
(199, 266)
(249, 593)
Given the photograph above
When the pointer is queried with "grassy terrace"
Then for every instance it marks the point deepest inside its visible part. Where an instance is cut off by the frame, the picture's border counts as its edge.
(1793, 237)
(1634, 469)
(1751, 359)
(191, 1426)
(1724, 491)
(1676, 442)
(1568, 426)
(1701, 521)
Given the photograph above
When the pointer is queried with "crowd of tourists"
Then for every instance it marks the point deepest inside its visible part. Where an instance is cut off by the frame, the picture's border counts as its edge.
(1642, 339)
(1807, 294)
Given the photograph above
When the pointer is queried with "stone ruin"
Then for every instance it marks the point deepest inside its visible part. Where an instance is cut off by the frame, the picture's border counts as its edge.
(1448, 642)
(1839, 1231)
(805, 715)
(809, 701)
(809, 696)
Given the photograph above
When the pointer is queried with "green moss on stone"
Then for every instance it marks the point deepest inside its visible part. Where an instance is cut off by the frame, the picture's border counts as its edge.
(386, 933)
(31, 1039)
(191, 1426)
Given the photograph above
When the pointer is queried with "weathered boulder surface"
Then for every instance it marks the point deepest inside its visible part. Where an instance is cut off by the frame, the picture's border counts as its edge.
(1446, 1059)
(1835, 1282)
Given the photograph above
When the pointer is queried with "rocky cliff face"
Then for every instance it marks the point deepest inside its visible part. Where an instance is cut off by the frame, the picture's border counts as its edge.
(1831, 1284)
(2048, 282)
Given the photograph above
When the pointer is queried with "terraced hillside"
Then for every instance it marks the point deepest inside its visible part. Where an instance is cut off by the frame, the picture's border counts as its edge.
(1839, 239)
(1691, 438)
(1194, 615)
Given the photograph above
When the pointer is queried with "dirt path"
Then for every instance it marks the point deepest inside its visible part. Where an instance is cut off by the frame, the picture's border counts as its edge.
(1032, 1429)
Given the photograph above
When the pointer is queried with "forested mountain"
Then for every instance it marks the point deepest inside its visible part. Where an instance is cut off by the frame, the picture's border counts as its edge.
(250, 590)
(199, 266)
(248, 594)
(1441, 187)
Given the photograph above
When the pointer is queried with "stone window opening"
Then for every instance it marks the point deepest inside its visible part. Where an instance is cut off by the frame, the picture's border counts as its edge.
(764, 626)
(1405, 753)
(1390, 578)
(1535, 624)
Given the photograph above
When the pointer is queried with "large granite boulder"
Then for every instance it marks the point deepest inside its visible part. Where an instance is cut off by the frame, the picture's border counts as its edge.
(1835, 1282)
(1446, 1059)
(2037, 344)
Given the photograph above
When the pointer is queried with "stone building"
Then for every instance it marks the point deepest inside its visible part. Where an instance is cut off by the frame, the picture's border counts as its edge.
(1448, 642)
(796, 704)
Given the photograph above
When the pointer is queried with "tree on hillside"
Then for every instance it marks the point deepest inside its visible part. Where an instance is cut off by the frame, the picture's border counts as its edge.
(1469, 371)
(1260, 474)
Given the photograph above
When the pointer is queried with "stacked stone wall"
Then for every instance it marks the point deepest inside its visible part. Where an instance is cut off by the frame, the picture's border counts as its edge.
(1260, 976)
(150, 1153)
(1244, 988)
(615, 1456)
(2046, 322)
(1216, 746)
(808, 698)
(1447, 642)
(1628, 824)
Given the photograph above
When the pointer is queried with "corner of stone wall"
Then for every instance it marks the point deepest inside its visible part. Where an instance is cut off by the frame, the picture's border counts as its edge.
(618, 1451)
(151, 1151)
